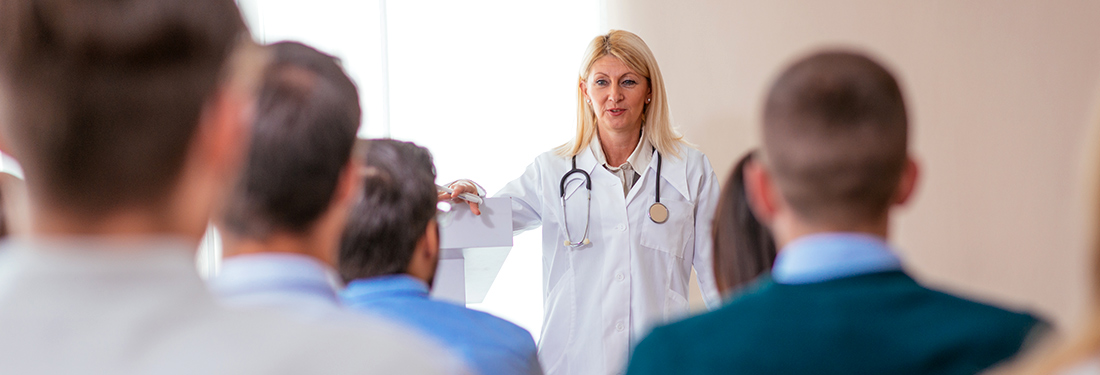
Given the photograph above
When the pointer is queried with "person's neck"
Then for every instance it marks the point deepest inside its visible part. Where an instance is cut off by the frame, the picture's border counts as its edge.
(618, 145)
(307, 244)
(47, 221)
(790, 230)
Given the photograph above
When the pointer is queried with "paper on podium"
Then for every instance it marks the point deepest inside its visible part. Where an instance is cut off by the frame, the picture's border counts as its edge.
(464, 230)
(473, 248)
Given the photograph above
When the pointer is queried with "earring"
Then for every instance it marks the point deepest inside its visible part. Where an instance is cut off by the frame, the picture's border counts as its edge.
(589, 101)
(646, 100)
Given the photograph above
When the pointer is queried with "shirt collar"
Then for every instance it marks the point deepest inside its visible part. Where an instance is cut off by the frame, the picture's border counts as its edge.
(138, 267)
(275, 272)
(157, 255)
(673, 169)
(829, 256)
(639, 159)
(383, 286)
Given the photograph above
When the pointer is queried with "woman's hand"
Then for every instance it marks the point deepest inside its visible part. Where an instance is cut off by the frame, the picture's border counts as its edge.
(459, 187)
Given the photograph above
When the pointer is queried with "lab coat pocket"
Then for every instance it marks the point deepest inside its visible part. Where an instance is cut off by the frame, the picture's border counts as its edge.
(558, 329)
(676, 306)
(675, 234)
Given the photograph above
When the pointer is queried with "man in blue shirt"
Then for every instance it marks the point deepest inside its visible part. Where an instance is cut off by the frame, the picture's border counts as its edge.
(389, 256)
(834, 162)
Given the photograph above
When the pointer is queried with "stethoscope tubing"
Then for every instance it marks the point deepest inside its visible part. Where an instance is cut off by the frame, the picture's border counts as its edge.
(588, 185)
(565, 213)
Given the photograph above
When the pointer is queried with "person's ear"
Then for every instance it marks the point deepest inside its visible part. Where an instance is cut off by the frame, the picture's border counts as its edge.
(349, 183)
(425, 258)
(4, 141)
(224, 130)
(762, 193)
(584, 91)
(431, 239)
(907, 183)
(3, 129)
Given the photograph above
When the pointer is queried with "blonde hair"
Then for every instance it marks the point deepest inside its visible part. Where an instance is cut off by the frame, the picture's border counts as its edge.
(632, 51)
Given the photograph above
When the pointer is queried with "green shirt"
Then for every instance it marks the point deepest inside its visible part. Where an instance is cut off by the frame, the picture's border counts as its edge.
(880, 323)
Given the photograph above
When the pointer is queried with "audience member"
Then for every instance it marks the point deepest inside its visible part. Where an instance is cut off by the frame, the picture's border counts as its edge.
(13, 204)
(130, 118)
(743, 247)
(389, 256)
(281, 227)
(833, 163)
(283, 222)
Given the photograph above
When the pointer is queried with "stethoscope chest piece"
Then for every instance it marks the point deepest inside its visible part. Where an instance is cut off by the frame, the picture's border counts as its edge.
(658, 213)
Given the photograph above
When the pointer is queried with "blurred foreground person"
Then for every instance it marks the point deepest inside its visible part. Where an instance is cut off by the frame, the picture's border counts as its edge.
(283, 222)
(13, 205)
(130, 119)
(389, 256)
(743, 247)
(833, 163)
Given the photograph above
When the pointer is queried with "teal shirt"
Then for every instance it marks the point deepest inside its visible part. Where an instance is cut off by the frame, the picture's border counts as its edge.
(868, 319)
(882, 323)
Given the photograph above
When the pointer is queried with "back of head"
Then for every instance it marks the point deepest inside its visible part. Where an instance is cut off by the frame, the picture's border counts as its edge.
(399, 201)
(836, 137)
(103, 96)
(307, 117)
(743, 247)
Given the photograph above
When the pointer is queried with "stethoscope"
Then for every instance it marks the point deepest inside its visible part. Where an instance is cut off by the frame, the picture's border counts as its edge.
(657, 212)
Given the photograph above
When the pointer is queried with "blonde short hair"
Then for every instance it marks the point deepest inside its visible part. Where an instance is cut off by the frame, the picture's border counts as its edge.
(632, 51)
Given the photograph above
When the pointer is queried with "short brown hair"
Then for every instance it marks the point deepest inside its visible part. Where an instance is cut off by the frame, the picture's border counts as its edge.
(307, 116)
(103, 96)
(836, 137)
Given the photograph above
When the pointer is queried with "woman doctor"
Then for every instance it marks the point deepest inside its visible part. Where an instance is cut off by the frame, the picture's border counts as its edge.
(625, 209)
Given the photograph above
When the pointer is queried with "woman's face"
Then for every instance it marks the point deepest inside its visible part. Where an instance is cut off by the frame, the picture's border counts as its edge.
(617, 94)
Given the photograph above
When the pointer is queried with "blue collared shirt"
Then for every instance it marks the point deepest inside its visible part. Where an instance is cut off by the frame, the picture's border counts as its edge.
(491, 345)
(289, 283)
(829, 256)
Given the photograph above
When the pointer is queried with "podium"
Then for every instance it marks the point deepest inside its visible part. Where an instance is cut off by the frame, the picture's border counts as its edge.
(472, 250)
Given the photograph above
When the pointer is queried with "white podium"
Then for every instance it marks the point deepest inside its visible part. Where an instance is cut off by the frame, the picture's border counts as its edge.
(472, 250)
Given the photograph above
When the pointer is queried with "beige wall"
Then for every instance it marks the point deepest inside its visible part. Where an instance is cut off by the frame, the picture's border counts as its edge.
(1000, 94)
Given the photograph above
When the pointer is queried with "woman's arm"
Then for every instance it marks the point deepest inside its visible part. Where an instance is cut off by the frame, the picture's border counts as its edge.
(704, 245)
(526, 193)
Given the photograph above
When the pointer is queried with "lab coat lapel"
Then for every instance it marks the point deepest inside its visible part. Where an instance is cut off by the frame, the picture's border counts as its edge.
(673, 171)
(585, 161)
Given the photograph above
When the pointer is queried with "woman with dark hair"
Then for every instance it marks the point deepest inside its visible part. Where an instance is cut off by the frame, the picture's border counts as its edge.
(743, 248)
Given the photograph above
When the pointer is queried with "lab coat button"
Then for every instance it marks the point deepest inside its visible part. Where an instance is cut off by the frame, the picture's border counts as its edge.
(620, 227)
(620, 277)
(620, 327)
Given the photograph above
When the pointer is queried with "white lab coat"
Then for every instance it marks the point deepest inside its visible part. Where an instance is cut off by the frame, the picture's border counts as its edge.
(602, 298)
